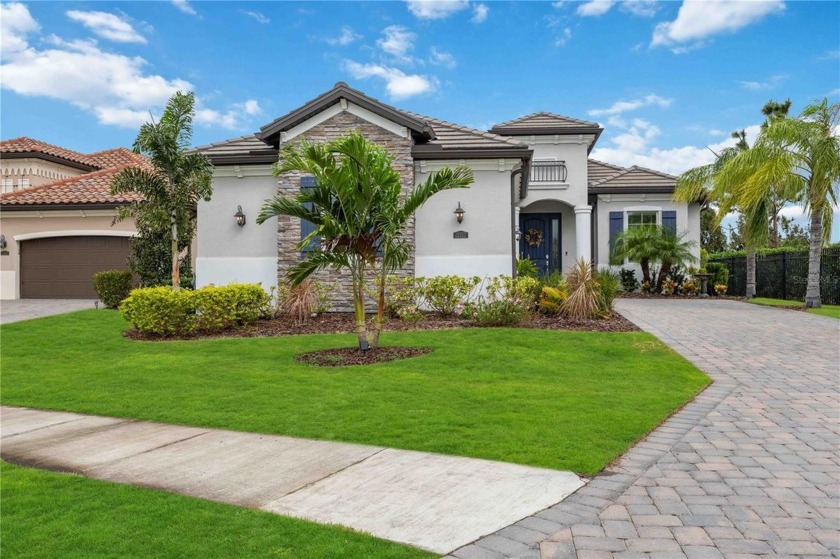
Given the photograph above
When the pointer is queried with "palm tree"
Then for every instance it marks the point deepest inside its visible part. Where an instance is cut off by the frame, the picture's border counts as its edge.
(672, 250)
(358, 213)
(774, 109)
(802, 156)
(176, 180)
(637, 244)
(649, 244)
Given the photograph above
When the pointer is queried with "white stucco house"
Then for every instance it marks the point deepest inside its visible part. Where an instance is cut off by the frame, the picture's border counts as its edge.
(536, 192)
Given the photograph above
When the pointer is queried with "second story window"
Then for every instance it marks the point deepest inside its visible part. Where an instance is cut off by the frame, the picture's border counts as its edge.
(7, 185)
(23, 183)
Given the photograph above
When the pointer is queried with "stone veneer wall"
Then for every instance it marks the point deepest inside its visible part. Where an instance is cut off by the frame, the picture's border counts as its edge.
(288, 235)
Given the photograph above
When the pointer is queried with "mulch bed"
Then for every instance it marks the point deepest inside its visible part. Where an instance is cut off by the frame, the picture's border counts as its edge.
(345, 356)
(344, 323)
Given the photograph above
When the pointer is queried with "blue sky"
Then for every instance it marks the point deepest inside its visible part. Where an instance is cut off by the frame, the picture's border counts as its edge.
(666, 79)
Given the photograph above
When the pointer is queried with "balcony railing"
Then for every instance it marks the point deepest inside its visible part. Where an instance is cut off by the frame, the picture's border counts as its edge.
(548, 171)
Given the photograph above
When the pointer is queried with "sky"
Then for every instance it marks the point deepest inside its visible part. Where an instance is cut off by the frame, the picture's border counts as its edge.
(669, 81)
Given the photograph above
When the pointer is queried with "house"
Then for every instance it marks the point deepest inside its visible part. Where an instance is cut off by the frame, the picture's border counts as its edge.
(57, 219)
(536, 194)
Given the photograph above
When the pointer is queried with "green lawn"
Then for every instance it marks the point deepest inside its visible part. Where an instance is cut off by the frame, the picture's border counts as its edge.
(46, 514)
(565, 400)
(826, 310)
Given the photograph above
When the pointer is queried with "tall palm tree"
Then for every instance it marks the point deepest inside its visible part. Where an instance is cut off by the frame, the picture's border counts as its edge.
(774, 109)
(358, 213)
(802, 156)
(176, 180)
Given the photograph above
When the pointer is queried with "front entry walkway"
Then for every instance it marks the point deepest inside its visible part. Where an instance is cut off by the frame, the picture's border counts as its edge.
(749, 469)
(428, 500)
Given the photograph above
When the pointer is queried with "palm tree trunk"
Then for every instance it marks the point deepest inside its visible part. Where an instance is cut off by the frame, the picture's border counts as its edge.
(380, 309)
(359, 304)
(645, 264)
(176, 268)
(750, 273)
(664, 270)
(812, 291)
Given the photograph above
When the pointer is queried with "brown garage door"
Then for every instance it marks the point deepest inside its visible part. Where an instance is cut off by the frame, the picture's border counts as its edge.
(62, 267)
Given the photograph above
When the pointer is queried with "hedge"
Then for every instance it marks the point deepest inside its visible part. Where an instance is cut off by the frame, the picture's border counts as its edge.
(112, 286)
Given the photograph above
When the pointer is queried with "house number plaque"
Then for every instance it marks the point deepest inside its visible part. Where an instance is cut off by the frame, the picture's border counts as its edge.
(460, 235)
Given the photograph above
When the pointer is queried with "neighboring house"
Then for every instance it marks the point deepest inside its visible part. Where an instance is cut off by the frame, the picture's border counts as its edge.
(57, 219)
(536, 193)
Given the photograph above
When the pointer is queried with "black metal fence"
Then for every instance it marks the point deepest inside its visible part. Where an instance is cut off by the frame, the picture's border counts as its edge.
(785, 275)
(548, 171)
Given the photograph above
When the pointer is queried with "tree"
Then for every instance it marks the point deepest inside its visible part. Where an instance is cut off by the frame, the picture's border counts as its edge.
(358, 213)
(774, 109)
(651, 244)
(712, 237)
(174, 182)
(794, 235)
(149, 252)
(671, 250)
(802, 156)
(637, 244)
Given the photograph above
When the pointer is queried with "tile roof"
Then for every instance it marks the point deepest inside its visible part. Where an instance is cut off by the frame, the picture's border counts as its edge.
(90, 188)
(26, 145)
(242, 145)
(598, 170)
(636, 179)
(454, 136)
(545, 120)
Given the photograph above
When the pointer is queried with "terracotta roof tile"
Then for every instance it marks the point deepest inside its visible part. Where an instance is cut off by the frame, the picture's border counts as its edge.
(108, 158)
(24, 145)
(90, 188)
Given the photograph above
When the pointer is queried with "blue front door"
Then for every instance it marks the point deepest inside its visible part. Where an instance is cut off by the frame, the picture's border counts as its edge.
(540, 240)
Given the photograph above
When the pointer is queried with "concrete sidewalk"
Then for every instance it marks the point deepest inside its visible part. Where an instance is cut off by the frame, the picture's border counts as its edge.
(436, 502)
(15, 310)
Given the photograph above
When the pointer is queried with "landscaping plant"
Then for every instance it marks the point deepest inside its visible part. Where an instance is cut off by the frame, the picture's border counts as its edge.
(551, 299)
(584, 300)
(628, 280)
(526, 267)
(610, 284)
(444, 294)
(720, 289)
(112, 286)
(298, 301)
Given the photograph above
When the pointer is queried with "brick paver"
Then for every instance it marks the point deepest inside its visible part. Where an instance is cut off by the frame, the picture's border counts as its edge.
(749, 469)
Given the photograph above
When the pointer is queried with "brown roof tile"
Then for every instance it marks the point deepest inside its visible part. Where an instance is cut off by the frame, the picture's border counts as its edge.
(27, 145)
(636, 179)
(90, 188)
(545, 120)
(598, 170)
(454, 136)
(108, 158)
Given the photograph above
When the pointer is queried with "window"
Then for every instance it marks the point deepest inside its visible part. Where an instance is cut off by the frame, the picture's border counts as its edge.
(23, 183)
(307, 227)
(7, 185)
(641, 219)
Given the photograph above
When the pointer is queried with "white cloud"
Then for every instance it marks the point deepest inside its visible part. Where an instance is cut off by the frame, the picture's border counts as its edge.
(442, 58)
(594, 7)
(346, 37)
(230, 119)
(623, 106)
(480, 13)
(634, 147)
(398, 84)
(259, 17)
(563, 37)
(698, 20)
(834, 92)
(770, 83)
(398, 42)
(15, 24)
(643, 8)
(436, 9)
(117, 89)
(185, 7)
(107, 26)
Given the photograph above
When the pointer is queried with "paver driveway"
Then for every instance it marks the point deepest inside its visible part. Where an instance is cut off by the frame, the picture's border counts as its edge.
(23, 309)
(750, 469)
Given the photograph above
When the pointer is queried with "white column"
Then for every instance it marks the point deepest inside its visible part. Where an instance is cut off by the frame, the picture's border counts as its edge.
(516, 211)
(583, 232)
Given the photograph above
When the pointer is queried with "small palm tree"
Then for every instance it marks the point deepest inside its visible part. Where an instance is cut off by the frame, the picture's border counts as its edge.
(638, 244)
(176, 180)
(672, 250)
(358, 213)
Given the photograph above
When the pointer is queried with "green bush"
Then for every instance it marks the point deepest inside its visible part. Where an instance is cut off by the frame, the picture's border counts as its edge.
(628, 280)
(721, 275)
(400, 294)
(525, 267)
(507, 300)
(112, 286)
(443, 294)
(609, 282)
(164, 312)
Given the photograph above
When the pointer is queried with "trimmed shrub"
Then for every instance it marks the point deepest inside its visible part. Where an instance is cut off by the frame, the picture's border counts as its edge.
(164, 312)
(507, 301)
(443, 294)
(112, 286)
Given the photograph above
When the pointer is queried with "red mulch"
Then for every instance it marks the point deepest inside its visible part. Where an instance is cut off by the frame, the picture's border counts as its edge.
(344, 323)
(352, 356)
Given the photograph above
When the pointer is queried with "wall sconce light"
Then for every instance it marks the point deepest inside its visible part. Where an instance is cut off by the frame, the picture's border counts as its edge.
(459, 213)
(517, 234)
(239, 216)
(3, 244)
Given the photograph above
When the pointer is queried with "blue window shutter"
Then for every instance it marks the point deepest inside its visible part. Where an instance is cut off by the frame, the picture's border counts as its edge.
(307, 227)
(616, 227)
(669, 221)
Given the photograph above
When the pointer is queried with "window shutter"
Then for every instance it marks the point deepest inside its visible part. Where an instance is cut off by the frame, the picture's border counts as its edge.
(616, 227)
(307, 227)
(669, 221)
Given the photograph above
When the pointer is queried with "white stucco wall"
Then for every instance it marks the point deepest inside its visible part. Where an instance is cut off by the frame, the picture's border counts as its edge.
(688, 217)
(489, 249)
(574, 190)
(227, 253)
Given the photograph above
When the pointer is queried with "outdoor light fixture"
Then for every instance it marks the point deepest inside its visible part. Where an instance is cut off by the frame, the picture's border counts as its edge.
(459, 213)
(2, 242)
(517, 234)
(239, 216)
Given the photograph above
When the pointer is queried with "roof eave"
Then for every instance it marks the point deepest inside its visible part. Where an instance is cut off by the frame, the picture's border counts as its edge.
(631, 190)
(253, 158)
(55, 207)
(48, 157)
(426, 152)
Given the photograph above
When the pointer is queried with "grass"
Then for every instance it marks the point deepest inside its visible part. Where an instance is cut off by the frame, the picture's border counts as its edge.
(46, 514)
(832, 311)
(564, 400)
